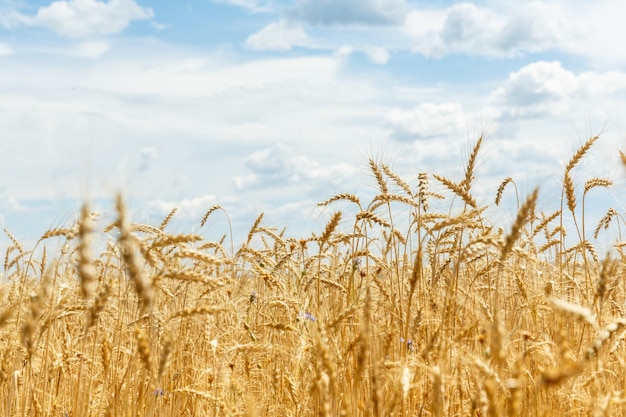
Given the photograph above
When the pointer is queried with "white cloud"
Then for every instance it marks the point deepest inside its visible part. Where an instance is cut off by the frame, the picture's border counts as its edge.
(87, 18)
(546, 88)
(160, 26)
(343, 51)
(92, 49)
(421, 23)
(5, 49)
(280, 166)
(350, 12)
(469, 29)
(378, 55)
(541, 88)
(279, 36)
(428, 120)
(10, 18)
(601, 27)
(602, 83)
(508, 28)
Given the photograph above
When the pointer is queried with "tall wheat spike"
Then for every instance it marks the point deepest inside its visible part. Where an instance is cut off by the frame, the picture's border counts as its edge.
(501, 188)
(471, 165)
(578, 155)
(525, 212)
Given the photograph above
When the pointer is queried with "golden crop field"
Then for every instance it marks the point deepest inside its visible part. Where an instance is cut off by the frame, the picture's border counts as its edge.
(392, 309)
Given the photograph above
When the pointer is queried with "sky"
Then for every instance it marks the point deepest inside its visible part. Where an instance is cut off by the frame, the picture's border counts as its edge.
(276, 105)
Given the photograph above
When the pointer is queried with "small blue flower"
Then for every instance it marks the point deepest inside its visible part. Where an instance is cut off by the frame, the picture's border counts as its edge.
(159, 392)
(409, 344)
(307, 316)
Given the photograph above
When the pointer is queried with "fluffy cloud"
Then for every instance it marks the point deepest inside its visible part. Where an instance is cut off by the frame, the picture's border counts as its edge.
(541, 88)
(87, 18)
(469, 29)
(488, 29)
(546, 88)
(350, 12)
(280, 166)
(378, 55)
(280, 36)
(426, 121)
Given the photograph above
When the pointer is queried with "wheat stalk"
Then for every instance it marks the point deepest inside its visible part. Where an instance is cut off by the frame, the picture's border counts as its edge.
(382, 185)
(471, 164)
(459, 190)
(399, 181)
(501, 187)
(605, 221)
(525, 213)
(168, 218)
(578, 155)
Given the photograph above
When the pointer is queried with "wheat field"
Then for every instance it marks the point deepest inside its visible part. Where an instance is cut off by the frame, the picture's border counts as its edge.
(393, 309)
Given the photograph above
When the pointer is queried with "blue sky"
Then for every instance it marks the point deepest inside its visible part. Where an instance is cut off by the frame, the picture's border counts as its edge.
(273, 106)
